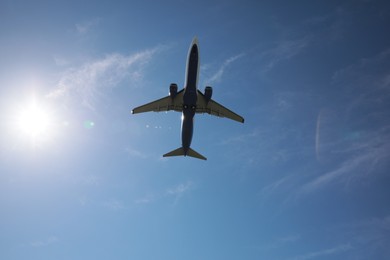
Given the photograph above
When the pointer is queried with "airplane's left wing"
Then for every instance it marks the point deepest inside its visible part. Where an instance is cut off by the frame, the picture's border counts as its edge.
(164, 104)
(213, 108)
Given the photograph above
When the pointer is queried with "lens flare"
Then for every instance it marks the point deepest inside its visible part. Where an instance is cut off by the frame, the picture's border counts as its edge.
(89, 124)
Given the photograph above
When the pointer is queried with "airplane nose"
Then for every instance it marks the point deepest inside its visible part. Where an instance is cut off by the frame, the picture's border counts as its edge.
(194, 49)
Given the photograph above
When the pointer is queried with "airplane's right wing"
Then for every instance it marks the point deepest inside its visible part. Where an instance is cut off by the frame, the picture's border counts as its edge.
(164, 104)
(213, 108)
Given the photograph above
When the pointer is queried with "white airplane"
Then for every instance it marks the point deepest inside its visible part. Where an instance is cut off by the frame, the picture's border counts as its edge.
(189, 101)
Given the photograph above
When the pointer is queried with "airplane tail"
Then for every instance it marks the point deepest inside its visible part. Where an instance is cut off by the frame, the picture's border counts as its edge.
(190, 152)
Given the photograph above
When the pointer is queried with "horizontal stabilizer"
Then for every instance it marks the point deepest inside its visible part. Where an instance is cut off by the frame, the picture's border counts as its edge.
(180, 152)
(177, 152)
(195, 154)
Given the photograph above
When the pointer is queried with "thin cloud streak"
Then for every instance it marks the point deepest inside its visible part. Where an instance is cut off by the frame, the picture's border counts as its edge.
(275, 186)
(43, 243)
(372, 232)
(131, 152)
(284, 50)
(280, 242)
(145, 200)
(89, 82)
(356, 141)
(365, 148)
(327, 252)
(179, 191)
(364, 157)
(114, 204)
(176, 192)
(365, 238)
(217, 77)
(85, 27)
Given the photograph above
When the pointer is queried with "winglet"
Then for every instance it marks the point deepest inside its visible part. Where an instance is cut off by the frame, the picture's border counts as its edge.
(180, 152)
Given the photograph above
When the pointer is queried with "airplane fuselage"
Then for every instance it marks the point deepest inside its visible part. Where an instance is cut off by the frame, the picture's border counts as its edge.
(190, 96)
(189, 101)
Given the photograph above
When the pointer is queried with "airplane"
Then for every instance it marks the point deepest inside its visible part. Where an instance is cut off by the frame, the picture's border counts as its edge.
(189, 101)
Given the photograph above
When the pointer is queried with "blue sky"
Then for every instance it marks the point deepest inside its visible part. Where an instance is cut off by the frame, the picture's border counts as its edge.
(305, 177)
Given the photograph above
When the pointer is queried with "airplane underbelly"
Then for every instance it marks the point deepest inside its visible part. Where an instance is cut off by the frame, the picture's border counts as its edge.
(187, 128)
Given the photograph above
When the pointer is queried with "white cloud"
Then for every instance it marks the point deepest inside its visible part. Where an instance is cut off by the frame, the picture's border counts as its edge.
(364, 147)
(324, 253)
(145, 200)
(114, 204)
(42, 243)
(60, 61)
(176, 192)
(180, 190)
(280, 242)
(83, 201)
(352, 141)
(362, 158)
(365, 238)
(367, 71)
(88, 82)
(284, 50)
(217, 77)
(275, 186)
(135, 153)
(372, 232)
(85, 27)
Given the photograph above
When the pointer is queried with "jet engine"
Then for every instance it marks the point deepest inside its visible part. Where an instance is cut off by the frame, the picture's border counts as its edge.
(208, 92)
(172, 90)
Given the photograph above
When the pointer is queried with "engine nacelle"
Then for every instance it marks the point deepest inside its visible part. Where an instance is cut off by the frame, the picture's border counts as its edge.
(173, 90)
(208, 92)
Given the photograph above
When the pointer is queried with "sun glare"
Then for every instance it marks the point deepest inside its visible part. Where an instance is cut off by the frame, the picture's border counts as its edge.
(33, 121)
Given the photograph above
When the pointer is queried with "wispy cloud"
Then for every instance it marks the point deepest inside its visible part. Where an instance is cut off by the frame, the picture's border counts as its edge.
(274, 187)
(370, 233)
(361, 159)
(324, 253)
(364, 239)
(370, 78)
(280, 242)
(361, 239)
(83, 200)
(284, 50)
(135, 153)
(332, 26)
(366, 71)
(217, 76)
(89, 81)
(353, 144)
(179, 191)
(146, 199)
(60, 60)
(43, 243)
(114, 204)
(85, 27)
(365, 148)
(295, 39)
(175, 192)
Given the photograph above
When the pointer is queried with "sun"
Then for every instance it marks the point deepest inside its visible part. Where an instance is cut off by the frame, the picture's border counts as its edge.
(33, 121)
